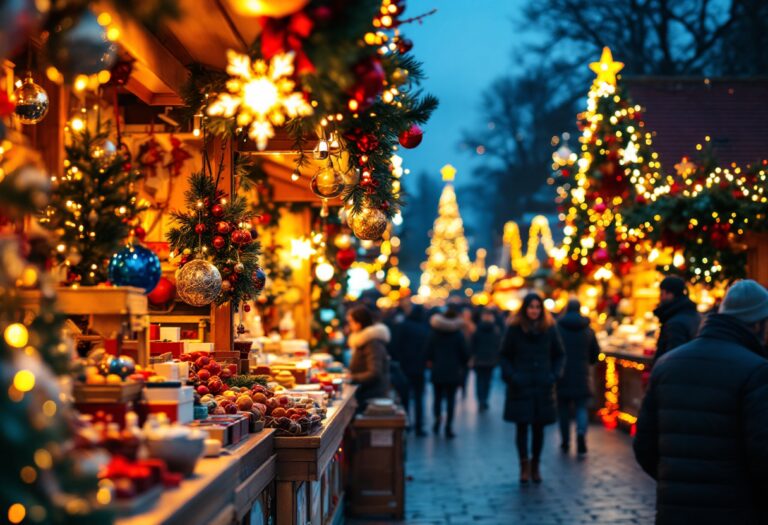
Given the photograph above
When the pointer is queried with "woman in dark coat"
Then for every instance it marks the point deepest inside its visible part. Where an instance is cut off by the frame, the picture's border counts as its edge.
(532, 360)
(448, 354)
(573, 390)
(369, 366)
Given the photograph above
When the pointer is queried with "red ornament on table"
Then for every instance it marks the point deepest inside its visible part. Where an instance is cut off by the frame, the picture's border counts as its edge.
(219, 242)
(217, 210)
(163, 293)
(411, 137)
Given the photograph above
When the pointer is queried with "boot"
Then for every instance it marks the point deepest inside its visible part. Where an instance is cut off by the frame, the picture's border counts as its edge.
(525, 470)
(582, 444)
(535, 474)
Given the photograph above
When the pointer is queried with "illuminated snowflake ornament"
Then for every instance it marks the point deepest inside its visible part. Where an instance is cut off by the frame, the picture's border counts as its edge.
(260, 95)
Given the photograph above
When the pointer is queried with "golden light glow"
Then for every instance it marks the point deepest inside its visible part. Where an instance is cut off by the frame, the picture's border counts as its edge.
(606, 69)
(324, 271)
(448, 172)
(24, 381)
(260, 95)
(16, 513)
(16, 335)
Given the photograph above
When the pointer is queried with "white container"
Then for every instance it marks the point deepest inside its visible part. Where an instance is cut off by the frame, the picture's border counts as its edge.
(180, 394)
(170, 333)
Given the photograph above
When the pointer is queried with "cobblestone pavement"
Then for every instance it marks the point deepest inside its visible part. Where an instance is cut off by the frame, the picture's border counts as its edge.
(473, 478)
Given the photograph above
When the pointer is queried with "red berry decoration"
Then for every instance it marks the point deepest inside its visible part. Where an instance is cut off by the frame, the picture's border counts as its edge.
(217, 210)
(219, 242)
(246, 307)
(223, 227)
(411, 137)
(199, 228)
(259, 278)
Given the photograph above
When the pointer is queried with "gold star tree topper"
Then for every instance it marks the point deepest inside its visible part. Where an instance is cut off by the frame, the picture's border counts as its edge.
(448, 172)
(606, 69)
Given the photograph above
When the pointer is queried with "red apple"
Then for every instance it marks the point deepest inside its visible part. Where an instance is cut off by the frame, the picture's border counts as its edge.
(226, 373)
(202, 390)
(214, 368)
(203, 375)
(231, 408)
(215, 384)
(202, 361)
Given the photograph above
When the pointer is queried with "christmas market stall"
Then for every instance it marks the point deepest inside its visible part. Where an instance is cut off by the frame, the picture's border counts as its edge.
(183, 191)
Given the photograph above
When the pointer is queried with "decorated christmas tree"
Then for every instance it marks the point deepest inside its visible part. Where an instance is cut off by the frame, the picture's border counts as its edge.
(447, 261)
(93, 205)
(616, 170)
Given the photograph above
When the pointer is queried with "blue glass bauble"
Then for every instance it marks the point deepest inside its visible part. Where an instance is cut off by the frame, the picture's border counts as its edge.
(122, 365)
(136, 266)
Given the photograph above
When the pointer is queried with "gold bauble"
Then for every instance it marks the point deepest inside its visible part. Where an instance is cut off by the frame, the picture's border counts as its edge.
(198, 282)
(327, 183)
(342, 241)
(271, 8)
(369, 224)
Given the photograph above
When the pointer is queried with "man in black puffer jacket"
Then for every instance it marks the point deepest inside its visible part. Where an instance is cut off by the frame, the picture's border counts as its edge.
(702, 432)
(677, 314)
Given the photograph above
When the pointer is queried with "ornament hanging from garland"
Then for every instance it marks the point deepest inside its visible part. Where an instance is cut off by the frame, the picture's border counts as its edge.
(369, 224)
(135, 265)
(259, 278)
(32, 102)
(327, 182)
(198, 283)
(411, 137)
(163, 293)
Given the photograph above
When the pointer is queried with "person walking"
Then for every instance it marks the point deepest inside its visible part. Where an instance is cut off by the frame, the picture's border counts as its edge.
(702, 430)
(369, 366)
(447, 352)
(484, 351)
(573, 389)
(532, 360)
(468, 329)
(677, 314)
(409, 348)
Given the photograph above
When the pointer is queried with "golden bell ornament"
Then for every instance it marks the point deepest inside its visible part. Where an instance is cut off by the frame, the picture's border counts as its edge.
(369, 224)
(327, 183)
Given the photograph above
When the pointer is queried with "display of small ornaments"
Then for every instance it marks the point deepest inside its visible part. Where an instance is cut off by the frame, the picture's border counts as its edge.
(371, 106)
(216, 228)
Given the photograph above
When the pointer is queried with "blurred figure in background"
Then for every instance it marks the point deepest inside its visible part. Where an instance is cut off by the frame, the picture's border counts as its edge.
(468, 329)
(369, 366)
(573, 389)
(409, 348)
(447, 352)
(484, 351)
(532, 361)
(677, 314)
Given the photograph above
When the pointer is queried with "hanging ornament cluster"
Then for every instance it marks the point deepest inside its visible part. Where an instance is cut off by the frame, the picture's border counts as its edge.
(135, 265)
(218, 228)
(260, 95)
(31, 101)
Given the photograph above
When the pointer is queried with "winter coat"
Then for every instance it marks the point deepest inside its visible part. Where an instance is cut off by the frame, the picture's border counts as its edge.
(702, 431)
(409, 346)
(369, 366)
(581, 350)
(447, 350)
(485, 345)
(679, 324)
(531, 363)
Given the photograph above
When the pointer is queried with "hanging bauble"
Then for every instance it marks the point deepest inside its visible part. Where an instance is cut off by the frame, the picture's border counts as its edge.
(136, 266)
(219, 242)
(198, 282)
(342, 241)
(217, 210)
(259, 278)
(400, 76)
(370, 81)
(239, 267)
(404, 45)
(327, 183)
(199, 228)
(31, 102)
(121, 72)
(345, 257)
(226, 286)
(103, 150)
(81, 48)
(411, 137)
(369, 224)
(351, 177)
(241, 237)
(223, 227)
(163, 293)
(140, 232)
(270, 8)
(122, 365)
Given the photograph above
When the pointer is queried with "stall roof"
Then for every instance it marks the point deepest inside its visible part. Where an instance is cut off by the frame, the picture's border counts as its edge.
(682, 111)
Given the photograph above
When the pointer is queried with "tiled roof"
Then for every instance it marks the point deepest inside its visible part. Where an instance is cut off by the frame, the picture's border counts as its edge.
(682, 111)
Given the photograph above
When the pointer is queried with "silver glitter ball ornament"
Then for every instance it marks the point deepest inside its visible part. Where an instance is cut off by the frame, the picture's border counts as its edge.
(198, 282)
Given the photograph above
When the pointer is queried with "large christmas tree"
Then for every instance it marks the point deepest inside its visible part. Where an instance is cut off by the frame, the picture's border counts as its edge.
(93, 204)
(447, 261)
(616, 169)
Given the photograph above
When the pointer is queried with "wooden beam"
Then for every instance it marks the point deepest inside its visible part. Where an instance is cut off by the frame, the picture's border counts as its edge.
(221, 316)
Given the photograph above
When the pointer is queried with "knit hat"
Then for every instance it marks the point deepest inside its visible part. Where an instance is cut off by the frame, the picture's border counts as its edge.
(674, 285)
(747, 301)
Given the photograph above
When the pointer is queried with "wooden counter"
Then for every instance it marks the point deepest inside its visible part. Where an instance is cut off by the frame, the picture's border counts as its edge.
(309, 485)
(221, 489)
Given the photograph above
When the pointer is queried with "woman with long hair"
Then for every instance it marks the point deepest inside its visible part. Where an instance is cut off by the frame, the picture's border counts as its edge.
(369, 367)
(532, 360)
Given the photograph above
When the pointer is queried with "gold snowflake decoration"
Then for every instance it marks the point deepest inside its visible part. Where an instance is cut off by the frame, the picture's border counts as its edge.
(260, 95)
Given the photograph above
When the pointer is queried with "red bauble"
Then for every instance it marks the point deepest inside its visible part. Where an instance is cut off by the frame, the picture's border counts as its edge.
(217, 210)
(241, 237)
(265, 218)
(411, 137)
(223, 227)
(199, 228)
(246, 307)
(600, 256)
(599, 207)
(640, 199)
(140, 233)
(121, 72)
(370, 81)
(384, 205)
(368, 143)
(219, 242)
(345, 257)
(163, 293)
(226, 285)
(404, 45)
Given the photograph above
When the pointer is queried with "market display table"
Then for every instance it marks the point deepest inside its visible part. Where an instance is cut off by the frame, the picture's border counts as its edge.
(309, 477)
(377, 466)
(622, 377)
(222, 490)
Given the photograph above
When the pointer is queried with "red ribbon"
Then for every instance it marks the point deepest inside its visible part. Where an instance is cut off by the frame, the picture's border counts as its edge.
(280, 35)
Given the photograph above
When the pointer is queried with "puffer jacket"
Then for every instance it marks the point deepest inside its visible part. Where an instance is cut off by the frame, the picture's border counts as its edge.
(447, 350)
(679, 324)
(581, 351)
(369, 366)
(702, 431)
(485, 344)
